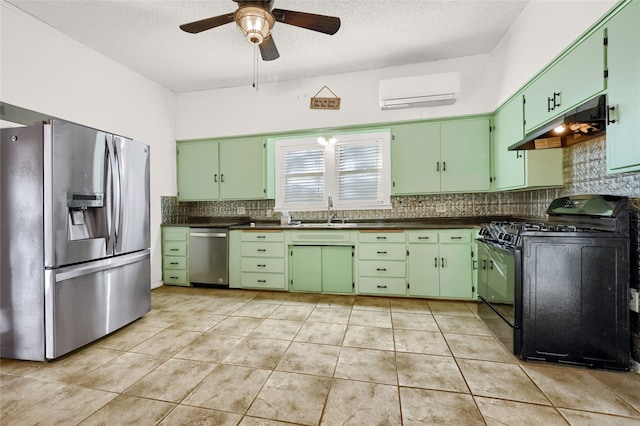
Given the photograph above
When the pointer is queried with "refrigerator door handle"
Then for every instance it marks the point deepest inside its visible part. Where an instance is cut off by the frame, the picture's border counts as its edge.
(117, 178)
(109, 187)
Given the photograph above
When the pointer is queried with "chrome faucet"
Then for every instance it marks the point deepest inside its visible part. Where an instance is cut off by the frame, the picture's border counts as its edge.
(329, 206)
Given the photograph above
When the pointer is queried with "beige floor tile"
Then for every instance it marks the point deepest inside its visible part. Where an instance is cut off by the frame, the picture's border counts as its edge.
(500, 380)
(5, 379)
(16, 367)
(310, 358)
(485, 348)
(68, 406)
(626, 384)
(370, 318)
(171, 381)
(277, 297)
(196, 321)
(430, 372)
(292, 312)
(306, 299)
(160, 318)
(409, 306)
(414, 321)
(228, 388)
(584, 418)
(120, 373)
(422, 342)
(127, 337)
(255, 421)
(444, 307)
(371, 303)
(257, 352)
(166, 343)
(21, 393)
(498, 412)
(369, 365)
(330, 315)
(72, 367)
(239, 326)
(223, 307)
(323, 333)
(255, 310)
(191, 304)
(577, 389)
(360, 403)
(431, 407)
(129, 410)
(291, 397)
(369, 337)
(277, 329)
(210, 347)
(336, 301)
(461, 325)
(189, 416)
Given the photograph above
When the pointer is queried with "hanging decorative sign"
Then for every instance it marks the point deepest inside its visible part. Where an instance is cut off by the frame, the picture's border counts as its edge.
(325, 103)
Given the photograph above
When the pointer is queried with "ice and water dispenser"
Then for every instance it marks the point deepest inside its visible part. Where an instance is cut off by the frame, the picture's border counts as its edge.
(87, 216)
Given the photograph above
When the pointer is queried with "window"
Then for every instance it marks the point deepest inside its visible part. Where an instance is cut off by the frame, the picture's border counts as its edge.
(355, 172)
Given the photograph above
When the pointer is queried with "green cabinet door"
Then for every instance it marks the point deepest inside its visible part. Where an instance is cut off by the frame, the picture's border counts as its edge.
(242, 169)
(456, 280)
(465, 150)
(198, 173)
(575, 78)
(415, 157)
(321, 268)
(306, 268)
(623, 64)
(508, 166)
(337, 269)
(424, 271)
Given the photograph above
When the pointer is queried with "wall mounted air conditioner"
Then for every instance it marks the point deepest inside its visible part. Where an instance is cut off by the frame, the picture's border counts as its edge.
(419, 91)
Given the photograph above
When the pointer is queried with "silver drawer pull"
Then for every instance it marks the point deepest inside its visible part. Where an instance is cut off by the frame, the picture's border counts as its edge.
(261, 236)
(174, 278)
(174, 249)
(261, 266)
(381, 286)
(262, 250)
(381, 269)
(382, 252)
(174, 263)
(262, 281)
(424, 238)
(456, 238)
(381, 238)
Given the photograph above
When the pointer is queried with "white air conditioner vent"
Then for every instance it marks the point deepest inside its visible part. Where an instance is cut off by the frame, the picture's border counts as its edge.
(419, 91)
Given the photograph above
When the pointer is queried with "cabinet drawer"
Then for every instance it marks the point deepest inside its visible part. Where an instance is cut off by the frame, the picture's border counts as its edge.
(251, 264)
(395, 286)
(262, 236)
(262, 280)
(175, 234)
(455, 237)
(262, 250)
(422, 236)
(382, 251)
(175, 249)
(175, 262)
(171, 276)
(381, 237)
(377, 268)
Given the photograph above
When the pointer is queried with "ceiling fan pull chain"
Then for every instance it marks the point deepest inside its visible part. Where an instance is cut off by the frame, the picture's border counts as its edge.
(255, 66)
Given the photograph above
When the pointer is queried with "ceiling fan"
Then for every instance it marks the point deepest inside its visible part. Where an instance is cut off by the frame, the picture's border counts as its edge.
(256, 19)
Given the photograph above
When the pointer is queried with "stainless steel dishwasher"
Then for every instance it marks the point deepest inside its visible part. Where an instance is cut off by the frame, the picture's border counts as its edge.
(208, 256)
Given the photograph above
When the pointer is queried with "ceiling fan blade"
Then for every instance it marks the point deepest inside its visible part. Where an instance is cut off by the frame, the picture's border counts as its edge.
(268, 49)
(206, 24)
(321, 23)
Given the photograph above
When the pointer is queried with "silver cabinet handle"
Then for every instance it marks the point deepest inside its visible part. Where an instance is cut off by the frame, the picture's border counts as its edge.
(261, 266)
(382, 252)
(381, 286)
(436, 262)
(442, 258)
(262, 281)
(261, 250)
(444, 166)
(381, 238)
(381, 269)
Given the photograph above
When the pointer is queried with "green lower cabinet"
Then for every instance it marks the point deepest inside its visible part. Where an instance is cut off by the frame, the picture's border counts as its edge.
(175, 260)
(456, 274)
(424, 274)
(327, 269)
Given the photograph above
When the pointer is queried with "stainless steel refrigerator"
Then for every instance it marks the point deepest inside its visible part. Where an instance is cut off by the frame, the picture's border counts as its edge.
(74, 237)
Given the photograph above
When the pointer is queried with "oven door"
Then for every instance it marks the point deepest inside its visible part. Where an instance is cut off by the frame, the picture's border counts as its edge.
(500, 291)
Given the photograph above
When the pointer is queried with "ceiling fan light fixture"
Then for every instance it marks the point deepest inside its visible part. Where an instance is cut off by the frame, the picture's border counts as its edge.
(255, 23)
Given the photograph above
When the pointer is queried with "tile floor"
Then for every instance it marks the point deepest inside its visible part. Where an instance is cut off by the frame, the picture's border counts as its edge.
(227, 357)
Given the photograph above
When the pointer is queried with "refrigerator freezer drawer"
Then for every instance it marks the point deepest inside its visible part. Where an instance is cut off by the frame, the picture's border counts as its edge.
(86, 302)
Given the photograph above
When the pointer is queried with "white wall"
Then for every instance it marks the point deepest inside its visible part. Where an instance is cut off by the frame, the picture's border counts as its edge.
(43, 70)
(540, 34)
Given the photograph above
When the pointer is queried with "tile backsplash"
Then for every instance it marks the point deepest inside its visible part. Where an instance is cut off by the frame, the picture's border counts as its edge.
(584, 171)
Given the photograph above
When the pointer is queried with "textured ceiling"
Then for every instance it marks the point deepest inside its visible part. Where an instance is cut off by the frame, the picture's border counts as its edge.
(144, 36)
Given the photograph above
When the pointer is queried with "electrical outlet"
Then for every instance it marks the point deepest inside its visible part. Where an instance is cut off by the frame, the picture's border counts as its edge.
(241, 210)
(634, 301)
(441, 208)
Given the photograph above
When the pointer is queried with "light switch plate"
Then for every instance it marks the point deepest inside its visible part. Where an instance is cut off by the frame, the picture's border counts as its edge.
(241, 210)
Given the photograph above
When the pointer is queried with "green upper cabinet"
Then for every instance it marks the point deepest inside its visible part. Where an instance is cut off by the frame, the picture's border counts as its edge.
(448, 156)
(520, 169)
(575, 78)
(623, 64)
(232, 169)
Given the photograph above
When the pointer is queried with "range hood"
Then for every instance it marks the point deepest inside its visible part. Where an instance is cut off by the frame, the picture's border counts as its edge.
(576, 125)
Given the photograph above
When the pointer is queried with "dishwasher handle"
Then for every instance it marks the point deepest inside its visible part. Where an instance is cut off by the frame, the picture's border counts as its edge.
(208, 234)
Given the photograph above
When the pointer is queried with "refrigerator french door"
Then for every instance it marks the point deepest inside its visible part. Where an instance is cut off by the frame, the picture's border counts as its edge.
(75, 237)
